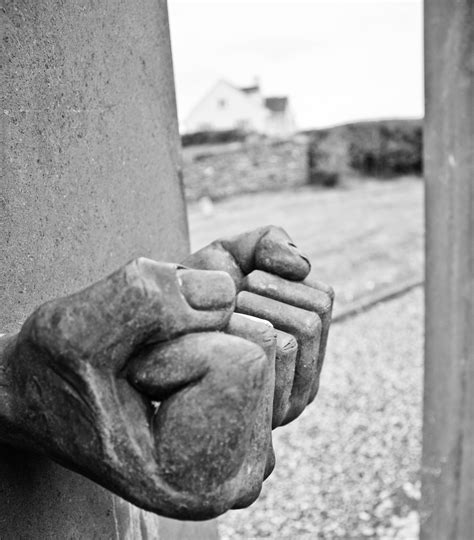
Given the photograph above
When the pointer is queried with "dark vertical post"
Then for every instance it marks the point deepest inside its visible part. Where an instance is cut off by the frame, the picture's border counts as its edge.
(448, 432)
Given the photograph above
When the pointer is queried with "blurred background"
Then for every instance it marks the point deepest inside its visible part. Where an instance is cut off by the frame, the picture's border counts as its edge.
(308, 115)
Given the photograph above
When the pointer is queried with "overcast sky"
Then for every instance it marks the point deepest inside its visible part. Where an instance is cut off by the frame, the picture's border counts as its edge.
(337, 60)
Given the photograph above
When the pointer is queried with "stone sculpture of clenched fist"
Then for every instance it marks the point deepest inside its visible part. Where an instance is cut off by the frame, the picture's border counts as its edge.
(154, 383)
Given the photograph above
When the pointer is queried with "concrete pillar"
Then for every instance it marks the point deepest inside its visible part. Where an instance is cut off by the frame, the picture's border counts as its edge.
(91, 179)
(447, 503)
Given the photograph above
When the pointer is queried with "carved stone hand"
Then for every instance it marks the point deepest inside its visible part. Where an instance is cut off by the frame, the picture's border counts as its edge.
(73, 387)
(146, 383)
(271, 277)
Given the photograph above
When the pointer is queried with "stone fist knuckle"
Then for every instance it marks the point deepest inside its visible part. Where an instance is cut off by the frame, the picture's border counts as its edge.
(331, 294)
(139, 267)
(276, 229)
(266, 335)
(311, 325)
(48, 325)
(216, 244)
(326, 306)
(140, 276)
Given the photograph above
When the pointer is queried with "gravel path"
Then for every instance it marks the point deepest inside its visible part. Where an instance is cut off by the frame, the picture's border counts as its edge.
(349, 466)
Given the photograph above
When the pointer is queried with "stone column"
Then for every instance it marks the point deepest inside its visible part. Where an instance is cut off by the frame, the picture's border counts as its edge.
(447, 502)
(91, 179)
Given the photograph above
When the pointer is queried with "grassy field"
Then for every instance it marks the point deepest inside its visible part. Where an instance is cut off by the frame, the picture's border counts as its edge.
(349, 466)
(359, 238)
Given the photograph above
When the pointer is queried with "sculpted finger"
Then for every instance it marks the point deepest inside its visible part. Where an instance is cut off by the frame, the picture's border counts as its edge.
(268, 248)
(326, 317)
(215, 257)
(276, 253)
(285, 360)
(305, 326)
(175, 300)
(260, 458)
(310, 295)
(210, 386)
(286, 354)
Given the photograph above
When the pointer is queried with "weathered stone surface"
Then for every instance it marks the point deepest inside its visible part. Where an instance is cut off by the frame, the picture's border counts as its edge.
(270, 274)
(76, 397)
(308, 295)
(90, 163)
(90, 179)
(260, 458)
(147, 384)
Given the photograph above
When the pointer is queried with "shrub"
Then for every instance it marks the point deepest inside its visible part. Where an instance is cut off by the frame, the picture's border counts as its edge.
(324, 178)
(386, 148)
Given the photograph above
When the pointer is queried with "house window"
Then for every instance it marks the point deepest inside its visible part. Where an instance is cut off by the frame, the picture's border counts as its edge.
(222, 103)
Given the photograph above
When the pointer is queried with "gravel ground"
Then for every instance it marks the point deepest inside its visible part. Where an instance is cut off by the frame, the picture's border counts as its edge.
(349, 466)
(359, 238)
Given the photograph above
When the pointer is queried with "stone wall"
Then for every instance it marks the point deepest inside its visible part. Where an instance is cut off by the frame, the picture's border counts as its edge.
(223, 170)
(379, 149)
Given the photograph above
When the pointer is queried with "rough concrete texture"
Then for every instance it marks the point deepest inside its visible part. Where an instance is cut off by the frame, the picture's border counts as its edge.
(91, 164)
(90, 180)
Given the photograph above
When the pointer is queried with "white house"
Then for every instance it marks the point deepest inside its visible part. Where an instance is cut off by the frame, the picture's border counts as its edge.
(227, 107)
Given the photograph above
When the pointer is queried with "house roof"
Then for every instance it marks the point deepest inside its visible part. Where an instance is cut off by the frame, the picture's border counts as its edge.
(250, 89)
(276, 104)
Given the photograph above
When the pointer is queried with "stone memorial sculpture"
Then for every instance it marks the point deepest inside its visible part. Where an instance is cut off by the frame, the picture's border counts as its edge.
(155, 383)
